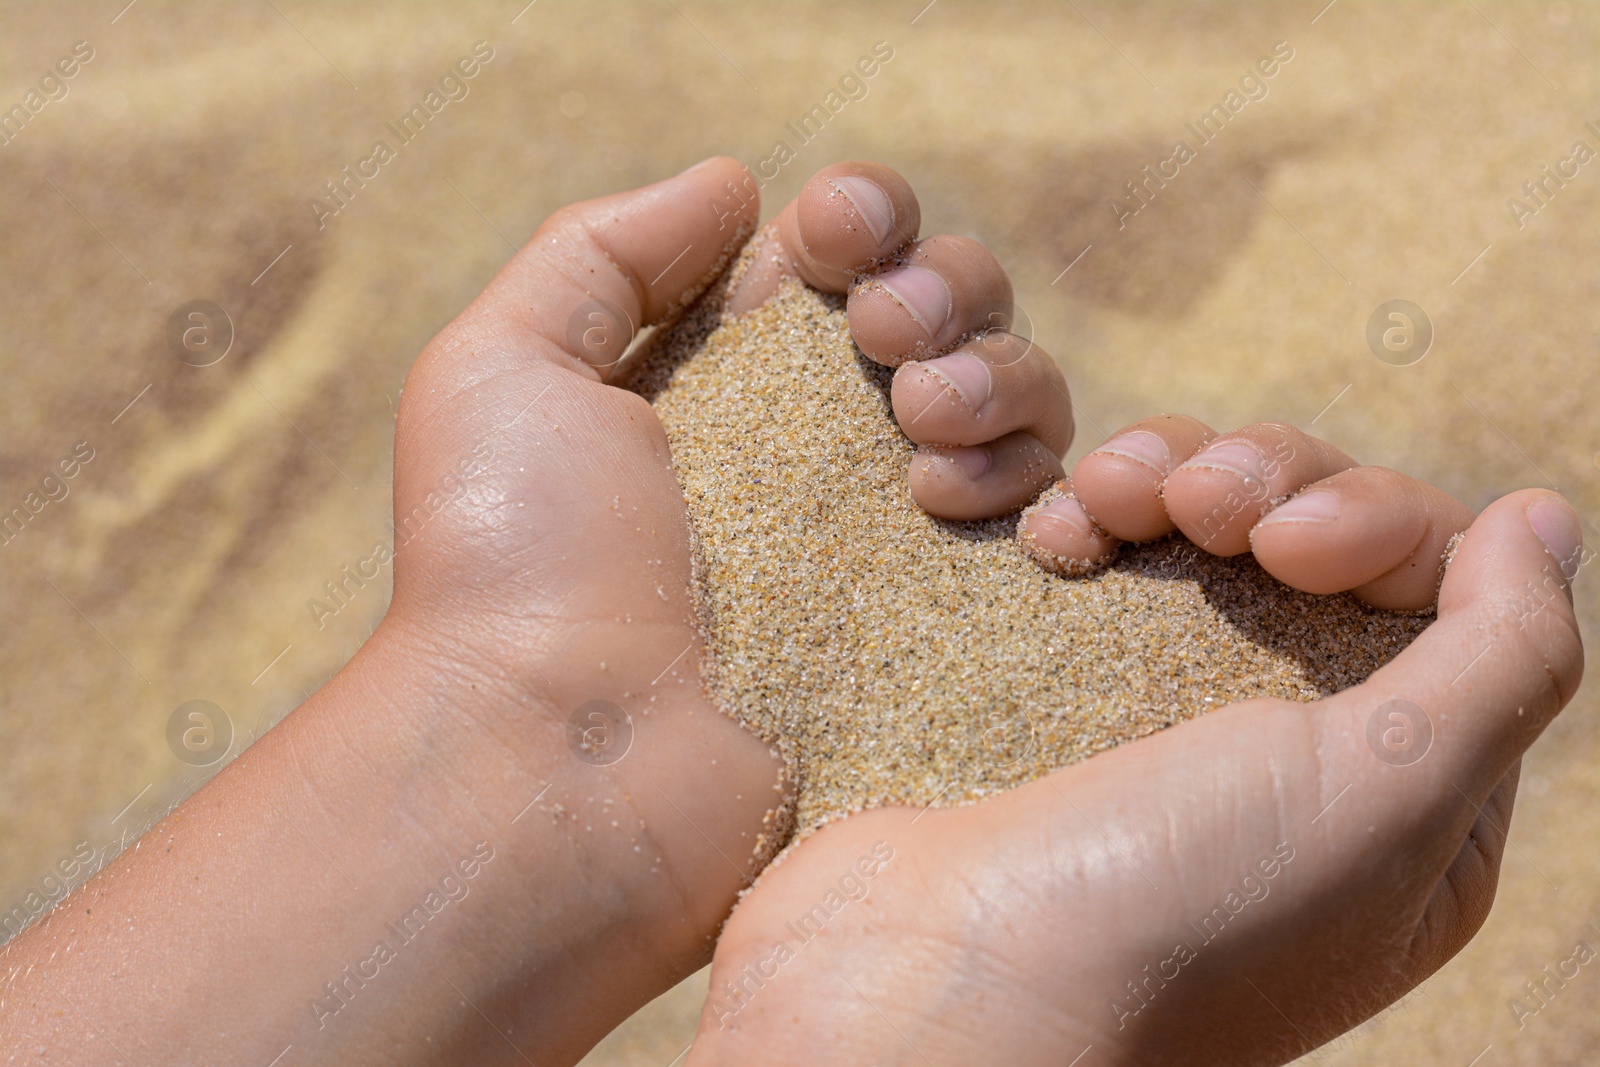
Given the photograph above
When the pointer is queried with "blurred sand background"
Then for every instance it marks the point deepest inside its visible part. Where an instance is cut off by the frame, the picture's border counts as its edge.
(182, 163)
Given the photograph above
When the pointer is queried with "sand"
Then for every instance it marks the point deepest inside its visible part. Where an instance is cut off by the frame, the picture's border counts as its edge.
(895, 658)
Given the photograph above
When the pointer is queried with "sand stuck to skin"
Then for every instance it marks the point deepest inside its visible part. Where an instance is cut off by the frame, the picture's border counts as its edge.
(895, 658)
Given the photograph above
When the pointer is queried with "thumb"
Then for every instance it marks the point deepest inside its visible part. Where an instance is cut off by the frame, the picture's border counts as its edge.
(596, 272)
(1446, 720)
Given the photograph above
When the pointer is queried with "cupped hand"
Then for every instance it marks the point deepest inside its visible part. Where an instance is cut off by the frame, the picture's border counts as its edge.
(1238, 889)
(542, 561)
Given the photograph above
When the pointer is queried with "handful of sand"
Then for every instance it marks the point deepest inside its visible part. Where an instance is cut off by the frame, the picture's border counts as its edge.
(896, 658)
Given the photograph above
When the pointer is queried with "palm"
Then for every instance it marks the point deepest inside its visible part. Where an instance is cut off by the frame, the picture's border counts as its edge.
(573, 528)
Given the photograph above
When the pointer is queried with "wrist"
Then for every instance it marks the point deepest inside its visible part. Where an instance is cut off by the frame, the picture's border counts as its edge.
(406, 840)
(623, 823)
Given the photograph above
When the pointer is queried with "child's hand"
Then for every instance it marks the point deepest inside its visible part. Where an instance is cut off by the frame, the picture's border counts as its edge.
(1042, 922)
(454, 851)
(1237, 889)
(554, 585)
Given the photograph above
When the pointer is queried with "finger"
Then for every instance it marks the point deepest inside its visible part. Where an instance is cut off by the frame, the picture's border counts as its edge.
(939, 291)
(596, 272)
(758, 280)
(1114, 495)
(1370, 530)
(987, 388)
(982, 481)
(1434, 730)
(1058, 534)
(847, 219)
(1120, 483)
(1217, 496)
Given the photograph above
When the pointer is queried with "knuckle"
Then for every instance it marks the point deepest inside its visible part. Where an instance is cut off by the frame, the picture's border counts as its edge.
(1281, 438)
(1002, 350)
(1272, 429)
(1174, 426)
(1537, 625)
(562, 226)
(1563, 645)
(956, 245)
(953, 254)
(1390, 484)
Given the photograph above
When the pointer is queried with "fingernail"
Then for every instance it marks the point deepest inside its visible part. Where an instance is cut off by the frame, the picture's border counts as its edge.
(1556, 525)
(1141, 446)
(1236, 458)
(922, 293)
(966, 374)
(871, 203)
(1319, 505)
(1067, 510)
(972, 462)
